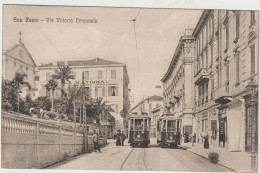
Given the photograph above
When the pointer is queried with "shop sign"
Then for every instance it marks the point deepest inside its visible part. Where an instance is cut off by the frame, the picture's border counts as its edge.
(98, 82)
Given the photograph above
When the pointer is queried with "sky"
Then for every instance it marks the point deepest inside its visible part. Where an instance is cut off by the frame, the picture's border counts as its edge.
(111, 38)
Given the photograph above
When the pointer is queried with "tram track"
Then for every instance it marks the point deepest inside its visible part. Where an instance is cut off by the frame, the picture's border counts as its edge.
(167, 151)
(122, 165)
(142, 162)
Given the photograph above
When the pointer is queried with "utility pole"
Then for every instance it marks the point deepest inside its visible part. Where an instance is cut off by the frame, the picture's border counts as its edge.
(84, 117)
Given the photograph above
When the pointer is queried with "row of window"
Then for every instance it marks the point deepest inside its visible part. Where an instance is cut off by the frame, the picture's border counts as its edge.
(100, 74)
(86, 75)
(99, 91)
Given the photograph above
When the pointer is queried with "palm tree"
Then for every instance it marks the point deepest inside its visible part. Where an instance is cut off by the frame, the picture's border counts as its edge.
(73, 94)
(101, 108)
(51, 86)
(63, 73)
(18, 82)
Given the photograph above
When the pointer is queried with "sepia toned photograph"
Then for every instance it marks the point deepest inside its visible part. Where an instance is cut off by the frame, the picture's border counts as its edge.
(129, 89)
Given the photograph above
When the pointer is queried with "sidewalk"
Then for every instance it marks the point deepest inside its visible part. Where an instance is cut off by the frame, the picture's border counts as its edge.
(238, 161)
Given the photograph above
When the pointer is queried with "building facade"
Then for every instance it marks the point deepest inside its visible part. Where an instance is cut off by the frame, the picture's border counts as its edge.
(102, 78)
(226, 65)
(178, 83)
(148, 104)
(18, 59)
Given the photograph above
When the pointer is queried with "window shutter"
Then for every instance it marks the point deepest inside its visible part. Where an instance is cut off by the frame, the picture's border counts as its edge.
(103, 91)
(116, 91)
(96, 91)
(109, 91)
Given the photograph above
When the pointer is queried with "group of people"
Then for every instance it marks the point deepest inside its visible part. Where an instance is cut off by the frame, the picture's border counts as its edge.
(120, 138)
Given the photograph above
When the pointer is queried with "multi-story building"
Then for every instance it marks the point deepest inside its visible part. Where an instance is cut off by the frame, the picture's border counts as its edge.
(148, 104)
(226, 50)
(178, 83)
(102, 78)
(18, 59)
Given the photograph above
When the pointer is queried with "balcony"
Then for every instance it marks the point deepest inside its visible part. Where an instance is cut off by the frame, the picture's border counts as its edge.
(202, 76)
(222, 95)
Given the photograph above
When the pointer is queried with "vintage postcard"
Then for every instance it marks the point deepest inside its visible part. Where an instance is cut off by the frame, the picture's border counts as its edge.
(131, 89)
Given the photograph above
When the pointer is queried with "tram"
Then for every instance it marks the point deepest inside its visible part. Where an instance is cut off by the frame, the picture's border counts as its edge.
(139, 124)
(168, 130)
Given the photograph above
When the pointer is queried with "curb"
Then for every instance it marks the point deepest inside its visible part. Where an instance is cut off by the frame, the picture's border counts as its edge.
(206, 158)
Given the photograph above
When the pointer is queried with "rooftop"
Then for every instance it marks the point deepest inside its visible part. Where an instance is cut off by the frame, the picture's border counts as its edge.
(92, 62)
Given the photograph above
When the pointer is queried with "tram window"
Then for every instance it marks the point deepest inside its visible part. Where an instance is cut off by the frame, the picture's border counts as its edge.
(131, 125)
(158, 125)
(171, 126)
(145, 124)
(138, 124)
(164, 126)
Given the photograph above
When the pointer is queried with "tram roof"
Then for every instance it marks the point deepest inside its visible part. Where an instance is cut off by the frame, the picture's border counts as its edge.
(139, 115)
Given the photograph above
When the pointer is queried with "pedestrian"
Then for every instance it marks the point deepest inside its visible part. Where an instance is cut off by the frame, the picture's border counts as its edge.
(95, 141)
(206, 142)
(118, 138)
(122, 138)
(186, 137)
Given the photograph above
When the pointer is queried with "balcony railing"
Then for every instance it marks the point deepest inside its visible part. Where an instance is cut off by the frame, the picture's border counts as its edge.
(201, 76)
(221, 95)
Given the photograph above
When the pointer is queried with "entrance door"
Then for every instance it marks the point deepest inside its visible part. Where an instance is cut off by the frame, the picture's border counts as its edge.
(214, 129)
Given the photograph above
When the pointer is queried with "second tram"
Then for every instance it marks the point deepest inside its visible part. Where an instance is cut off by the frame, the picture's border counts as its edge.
(168, 130)
(139, 124)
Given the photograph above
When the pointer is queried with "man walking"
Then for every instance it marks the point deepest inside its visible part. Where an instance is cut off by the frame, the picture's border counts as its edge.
(122, 138)
(95, 141)
(118, 138)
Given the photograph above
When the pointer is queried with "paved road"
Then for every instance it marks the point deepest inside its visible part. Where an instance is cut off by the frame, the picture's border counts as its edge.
(141, 159)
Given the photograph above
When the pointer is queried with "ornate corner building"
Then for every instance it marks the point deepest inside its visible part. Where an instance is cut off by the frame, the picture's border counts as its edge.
(223, 69)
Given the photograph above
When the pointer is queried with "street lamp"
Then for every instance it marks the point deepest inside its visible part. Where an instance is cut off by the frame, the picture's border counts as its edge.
(253, 102)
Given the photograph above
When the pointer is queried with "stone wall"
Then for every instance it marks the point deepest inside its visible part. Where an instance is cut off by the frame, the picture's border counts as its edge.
(36, 143)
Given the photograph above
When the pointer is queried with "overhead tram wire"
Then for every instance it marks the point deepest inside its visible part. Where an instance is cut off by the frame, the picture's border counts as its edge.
(137, 52)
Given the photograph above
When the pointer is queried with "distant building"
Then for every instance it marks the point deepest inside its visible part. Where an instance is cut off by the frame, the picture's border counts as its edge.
(178, 84)
(155, 113)
(148, 104)
(18, 59)
(103, 78)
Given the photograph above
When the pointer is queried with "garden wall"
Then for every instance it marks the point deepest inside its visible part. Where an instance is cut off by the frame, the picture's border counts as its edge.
(35, 143)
